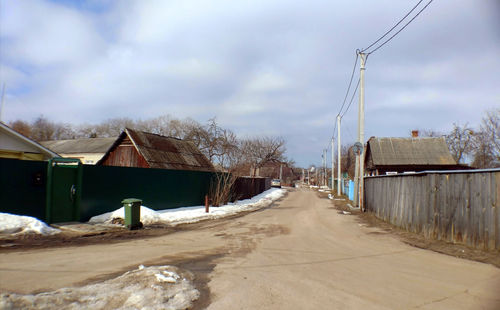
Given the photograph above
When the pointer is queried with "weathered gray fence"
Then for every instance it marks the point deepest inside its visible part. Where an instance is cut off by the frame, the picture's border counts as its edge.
(457, 206)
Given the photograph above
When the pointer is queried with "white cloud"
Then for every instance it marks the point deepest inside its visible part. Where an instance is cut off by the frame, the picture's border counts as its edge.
(262, 67)
(14, 76)
(39, 33)
(267, 82)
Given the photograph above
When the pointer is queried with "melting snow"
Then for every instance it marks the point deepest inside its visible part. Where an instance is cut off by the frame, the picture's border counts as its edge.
(197, 213)
(143, 288)
(17, 224)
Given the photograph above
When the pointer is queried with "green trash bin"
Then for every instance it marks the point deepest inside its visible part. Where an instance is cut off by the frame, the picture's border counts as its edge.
(132, 208)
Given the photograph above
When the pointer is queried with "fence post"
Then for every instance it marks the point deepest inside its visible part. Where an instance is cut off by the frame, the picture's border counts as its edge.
(206, 204)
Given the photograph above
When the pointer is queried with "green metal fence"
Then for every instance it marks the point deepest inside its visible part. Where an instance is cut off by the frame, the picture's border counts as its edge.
(104, 187)
(63, 190)
(22, 187)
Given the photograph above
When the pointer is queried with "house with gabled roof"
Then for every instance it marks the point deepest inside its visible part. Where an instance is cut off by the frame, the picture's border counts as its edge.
(88, 150)
(16, 146)
(406, 155)
(135, 148)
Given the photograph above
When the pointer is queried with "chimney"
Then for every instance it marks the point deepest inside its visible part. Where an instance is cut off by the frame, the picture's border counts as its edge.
(414, 133)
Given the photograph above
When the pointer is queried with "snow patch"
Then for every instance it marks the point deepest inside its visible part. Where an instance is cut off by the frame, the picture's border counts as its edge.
(197, 213)
(148, 216)
(162, 278)
(19, 224)
(137, 289)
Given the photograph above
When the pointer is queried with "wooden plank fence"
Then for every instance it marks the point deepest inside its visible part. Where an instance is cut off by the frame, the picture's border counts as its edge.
(456, 206)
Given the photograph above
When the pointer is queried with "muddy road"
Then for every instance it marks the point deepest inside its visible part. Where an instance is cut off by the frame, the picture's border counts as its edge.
(300, 253)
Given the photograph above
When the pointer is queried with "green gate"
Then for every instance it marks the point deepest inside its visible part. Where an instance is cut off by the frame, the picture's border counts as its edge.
(64, 190)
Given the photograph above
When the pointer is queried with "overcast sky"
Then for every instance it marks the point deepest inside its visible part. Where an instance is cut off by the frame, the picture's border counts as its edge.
(261, 67)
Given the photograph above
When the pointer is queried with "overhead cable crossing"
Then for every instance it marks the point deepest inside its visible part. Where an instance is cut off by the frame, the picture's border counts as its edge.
(402, 28)
(393, 27)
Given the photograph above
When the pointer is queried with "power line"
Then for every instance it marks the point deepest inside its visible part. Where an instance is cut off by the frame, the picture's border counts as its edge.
(345, 98)
(350, 82)
(386, 41)
(352, 98)
(397, 24)
(371, 52)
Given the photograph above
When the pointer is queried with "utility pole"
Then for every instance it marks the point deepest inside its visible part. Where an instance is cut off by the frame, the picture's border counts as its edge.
(322, 173)
(281, 171)
(333, 163)
(339, 179)
(325, 182)
(322, 181)
(359, 174)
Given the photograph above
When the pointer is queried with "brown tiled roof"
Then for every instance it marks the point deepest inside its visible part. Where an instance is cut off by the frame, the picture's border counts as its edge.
(165, 152)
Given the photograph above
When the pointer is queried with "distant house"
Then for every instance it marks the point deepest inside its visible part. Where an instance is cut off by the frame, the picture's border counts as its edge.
(89, 151)
(406, 155)
(15, 145)
(146, 150)
(273, 169)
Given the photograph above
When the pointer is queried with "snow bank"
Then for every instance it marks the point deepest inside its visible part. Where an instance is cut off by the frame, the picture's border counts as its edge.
(18, 224)
(197, 213)
(148, 216)
(157, 287)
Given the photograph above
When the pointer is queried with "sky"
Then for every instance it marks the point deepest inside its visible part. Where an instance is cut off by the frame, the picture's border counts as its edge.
(273, 67)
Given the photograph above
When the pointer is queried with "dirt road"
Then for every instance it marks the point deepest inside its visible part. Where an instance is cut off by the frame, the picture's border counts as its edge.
(298, 254)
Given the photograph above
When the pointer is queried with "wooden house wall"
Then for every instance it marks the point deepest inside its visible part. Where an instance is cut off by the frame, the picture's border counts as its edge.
(125, 155)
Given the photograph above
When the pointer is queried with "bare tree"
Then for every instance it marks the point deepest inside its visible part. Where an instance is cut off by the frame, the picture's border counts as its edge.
(491, 127)
(22, 127)
(259, 151)
(460, 141)
(221, 146)
(487, 142)
(42, 129)
(161, 125)
(222, 188)
(349, 160)
(482, 152)
(428, 133)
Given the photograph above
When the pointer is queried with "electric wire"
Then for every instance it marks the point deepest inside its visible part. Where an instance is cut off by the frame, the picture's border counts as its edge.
(350, 82)
(345, 97)
(393, 27)
(352, 98)
(386, 41)
(366, 59)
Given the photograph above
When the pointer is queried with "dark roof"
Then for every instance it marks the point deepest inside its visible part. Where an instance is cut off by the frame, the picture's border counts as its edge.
(76, 146)
(409, 151)
(164, 152)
